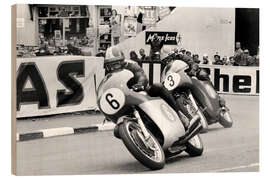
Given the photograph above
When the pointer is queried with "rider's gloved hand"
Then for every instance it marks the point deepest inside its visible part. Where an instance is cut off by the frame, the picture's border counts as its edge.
(138, 87)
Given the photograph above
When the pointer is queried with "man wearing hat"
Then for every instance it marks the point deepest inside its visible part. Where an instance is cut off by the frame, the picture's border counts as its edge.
(217, 59)
(196, 58)
(205, 59)
(242, 58)
(238, 50)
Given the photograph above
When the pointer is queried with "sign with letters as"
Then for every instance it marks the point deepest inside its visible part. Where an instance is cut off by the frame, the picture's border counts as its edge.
(57, 84)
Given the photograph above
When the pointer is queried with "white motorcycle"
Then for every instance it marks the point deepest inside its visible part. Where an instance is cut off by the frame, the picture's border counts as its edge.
(148, 126)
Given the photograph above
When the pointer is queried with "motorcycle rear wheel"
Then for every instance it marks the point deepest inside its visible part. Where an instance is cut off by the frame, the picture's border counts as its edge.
(131, 136)
(186, 104)
(194, 146)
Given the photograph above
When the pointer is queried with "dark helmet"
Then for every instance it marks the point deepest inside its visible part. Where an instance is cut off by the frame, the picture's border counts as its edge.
(114, 59)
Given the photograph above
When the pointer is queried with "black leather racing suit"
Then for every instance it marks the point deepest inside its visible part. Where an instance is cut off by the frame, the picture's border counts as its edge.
(157, 89)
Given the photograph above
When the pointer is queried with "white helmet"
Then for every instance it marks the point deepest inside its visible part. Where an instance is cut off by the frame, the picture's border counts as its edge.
(113, 58)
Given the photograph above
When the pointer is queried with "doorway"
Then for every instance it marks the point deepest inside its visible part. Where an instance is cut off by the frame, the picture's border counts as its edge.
(247, 28)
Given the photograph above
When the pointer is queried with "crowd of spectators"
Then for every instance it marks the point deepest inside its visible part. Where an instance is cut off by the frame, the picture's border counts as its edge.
(48, 47)
(240, 57)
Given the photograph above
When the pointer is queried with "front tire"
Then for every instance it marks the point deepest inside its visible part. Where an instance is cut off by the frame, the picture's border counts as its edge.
(194, 146)
(131, 136)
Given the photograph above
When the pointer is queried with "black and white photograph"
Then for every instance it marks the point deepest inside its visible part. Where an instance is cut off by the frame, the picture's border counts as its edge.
(124, 89)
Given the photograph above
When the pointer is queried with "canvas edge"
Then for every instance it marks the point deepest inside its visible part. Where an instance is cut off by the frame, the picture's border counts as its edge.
(13, 89)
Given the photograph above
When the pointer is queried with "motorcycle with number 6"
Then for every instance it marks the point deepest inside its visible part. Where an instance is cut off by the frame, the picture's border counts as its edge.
(195, 95)
(149, 128)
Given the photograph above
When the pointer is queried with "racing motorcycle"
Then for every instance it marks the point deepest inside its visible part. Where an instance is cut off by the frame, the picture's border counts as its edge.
(149, 128)
(195, 95)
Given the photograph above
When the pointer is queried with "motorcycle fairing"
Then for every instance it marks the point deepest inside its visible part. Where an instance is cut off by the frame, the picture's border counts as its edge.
(205, 94)
(165, 118)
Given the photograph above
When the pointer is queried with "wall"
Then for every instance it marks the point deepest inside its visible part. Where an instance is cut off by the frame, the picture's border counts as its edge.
(27, 29)
(203, 30)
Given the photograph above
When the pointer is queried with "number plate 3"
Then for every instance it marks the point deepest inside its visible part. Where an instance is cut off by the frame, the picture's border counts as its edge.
(171, 81)
(112, 101)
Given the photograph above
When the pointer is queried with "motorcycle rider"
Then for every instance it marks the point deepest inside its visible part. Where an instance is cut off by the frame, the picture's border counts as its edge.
(115, 60)
(194, 70)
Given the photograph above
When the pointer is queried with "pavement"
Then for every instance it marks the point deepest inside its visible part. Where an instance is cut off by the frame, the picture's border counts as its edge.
(225, 150)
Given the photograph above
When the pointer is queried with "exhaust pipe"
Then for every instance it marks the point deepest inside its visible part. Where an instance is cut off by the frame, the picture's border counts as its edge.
(194, 128)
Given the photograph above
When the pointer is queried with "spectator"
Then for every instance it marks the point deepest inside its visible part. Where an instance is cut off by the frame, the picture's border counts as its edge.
(196, 58)
(188, 53)
(256, 58)
(143, 55)
(238, 49)
(115, 23)
(183, 51)
(205, 59)
(156, 46)
(133, 56)
(217, 60)
(250, 61)
(241, 59)
(225, 60)
(231, 60)
(73, 50)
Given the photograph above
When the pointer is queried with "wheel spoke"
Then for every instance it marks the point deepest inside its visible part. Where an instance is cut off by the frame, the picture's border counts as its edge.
(148, 147)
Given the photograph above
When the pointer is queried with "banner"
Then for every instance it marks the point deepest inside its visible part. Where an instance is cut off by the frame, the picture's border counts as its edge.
(226, 79)
(57, 84)
(130, 26)
(169, 38)
(234, 79)
(149, 16)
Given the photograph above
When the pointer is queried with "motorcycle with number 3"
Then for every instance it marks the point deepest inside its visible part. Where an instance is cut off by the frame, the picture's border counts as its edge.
(195, 95)
(149, 128)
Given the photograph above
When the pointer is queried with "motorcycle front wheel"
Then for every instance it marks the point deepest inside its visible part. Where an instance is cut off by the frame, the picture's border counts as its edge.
(148, 152)
(194, 146)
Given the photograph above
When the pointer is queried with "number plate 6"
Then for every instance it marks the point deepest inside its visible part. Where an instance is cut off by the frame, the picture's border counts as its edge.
(171, 81)
(112, 101)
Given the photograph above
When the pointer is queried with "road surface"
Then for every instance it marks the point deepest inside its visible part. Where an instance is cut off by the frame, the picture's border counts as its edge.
(226, 150)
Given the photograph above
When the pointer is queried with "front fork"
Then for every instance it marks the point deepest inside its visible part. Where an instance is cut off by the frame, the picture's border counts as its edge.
(199, 112)
(141, 124)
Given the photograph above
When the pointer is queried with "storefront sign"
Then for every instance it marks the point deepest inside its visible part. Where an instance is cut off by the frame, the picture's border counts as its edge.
(57, 84)
(149, 16)
(130, 26)
(169, 38)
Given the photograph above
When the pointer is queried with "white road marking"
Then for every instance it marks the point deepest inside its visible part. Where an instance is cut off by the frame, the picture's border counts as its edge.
(237, 167)
(57, 131)
(106, 126)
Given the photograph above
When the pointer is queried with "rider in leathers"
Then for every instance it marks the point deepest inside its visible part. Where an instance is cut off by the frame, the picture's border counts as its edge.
(140, 82)
(194, 70)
